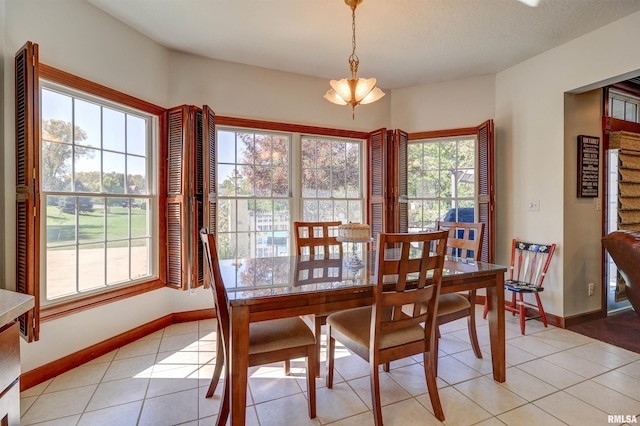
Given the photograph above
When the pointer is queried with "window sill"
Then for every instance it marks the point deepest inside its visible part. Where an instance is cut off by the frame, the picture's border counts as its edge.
(75, 306)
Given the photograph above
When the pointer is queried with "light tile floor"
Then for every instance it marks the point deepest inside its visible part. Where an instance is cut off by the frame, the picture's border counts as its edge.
(554, 377)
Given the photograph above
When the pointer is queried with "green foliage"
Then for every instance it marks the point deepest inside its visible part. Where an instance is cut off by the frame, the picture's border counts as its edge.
(57, 152)
(439, 173)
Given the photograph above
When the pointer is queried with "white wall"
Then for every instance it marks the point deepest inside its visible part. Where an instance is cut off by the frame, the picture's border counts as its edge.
(238, 90)
(446, 105)
(531, 151)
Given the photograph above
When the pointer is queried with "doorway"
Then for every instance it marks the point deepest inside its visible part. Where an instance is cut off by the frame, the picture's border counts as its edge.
(615, 302)
(622, 113)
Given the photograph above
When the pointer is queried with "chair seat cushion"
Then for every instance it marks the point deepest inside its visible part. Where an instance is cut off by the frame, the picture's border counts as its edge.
(522, 287)
(273, 335)
(449, 303)
(355, 324)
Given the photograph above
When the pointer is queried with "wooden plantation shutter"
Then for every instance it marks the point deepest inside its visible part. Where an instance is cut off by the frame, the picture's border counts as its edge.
(486, 189)
(388, 185)
(177, 211)
(400, 200)
(28, 185)
(378, 172)
(196, 248)
(209, 175)
(190, 207)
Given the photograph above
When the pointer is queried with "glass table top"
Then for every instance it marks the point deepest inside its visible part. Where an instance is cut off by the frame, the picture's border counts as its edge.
(279, 276)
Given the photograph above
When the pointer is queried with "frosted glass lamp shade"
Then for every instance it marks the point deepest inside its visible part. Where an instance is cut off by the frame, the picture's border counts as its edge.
(333, 97)
(373, 96)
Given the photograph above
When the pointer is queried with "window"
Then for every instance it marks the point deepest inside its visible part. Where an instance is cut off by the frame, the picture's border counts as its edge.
(253, 194)
(97, 194)
(623, 106)
(267, 180)
(441, 181)
(331, 180)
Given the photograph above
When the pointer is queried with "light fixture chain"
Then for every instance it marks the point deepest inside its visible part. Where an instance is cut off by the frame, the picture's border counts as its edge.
(353, 29)
(354, 61)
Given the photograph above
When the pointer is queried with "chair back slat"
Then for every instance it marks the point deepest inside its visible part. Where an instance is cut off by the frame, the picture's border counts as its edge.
(401, 298)
(408, 276)
(464, 240)
(530, 261)
(314, 238)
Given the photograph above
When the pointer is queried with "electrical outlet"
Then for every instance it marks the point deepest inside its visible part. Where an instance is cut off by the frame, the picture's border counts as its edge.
(533, 205)
(590, 289)
(192, 291)
(598, 205)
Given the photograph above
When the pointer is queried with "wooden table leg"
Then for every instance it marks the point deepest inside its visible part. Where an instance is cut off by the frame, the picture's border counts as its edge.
(239, 365)
(495, 298)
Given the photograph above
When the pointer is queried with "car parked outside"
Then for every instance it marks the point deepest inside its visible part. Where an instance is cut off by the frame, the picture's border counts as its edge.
(465, 214)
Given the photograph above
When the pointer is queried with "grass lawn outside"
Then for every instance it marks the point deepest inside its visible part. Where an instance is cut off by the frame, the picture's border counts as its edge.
(61, 227)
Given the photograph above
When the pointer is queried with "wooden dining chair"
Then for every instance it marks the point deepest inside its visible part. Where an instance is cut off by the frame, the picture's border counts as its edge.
(313, 239)
(464, 241)
(269, 341)
(529, 265)
(396, 326)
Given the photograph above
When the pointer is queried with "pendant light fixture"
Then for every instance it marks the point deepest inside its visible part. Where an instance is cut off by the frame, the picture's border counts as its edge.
(353, 91)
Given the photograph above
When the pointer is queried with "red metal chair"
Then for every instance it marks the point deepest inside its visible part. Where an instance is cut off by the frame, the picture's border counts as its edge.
(529, 264)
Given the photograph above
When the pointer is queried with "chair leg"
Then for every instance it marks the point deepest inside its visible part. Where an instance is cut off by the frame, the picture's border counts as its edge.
(521, 309)
(386, 367)
(541, 309)
(486, 307)
(317, 324)
(432, 385)
(223, 414)
(514, 304)
(287, 368)
(473, 335)
(331, 343)
(375, 392)
(471, 325)
(436, 343)
(218, 367)
(311, 380)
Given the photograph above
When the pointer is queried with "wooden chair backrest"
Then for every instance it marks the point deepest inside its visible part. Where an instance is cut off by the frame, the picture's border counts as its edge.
(315, 235)
(220, 298)
(465, 239)
(413, 262)
(530, 261)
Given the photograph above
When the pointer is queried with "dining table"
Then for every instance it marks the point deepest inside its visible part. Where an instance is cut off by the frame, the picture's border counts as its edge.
(268, 288)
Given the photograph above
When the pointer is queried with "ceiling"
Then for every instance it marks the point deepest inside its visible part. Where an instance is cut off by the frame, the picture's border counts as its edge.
(400, 42)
